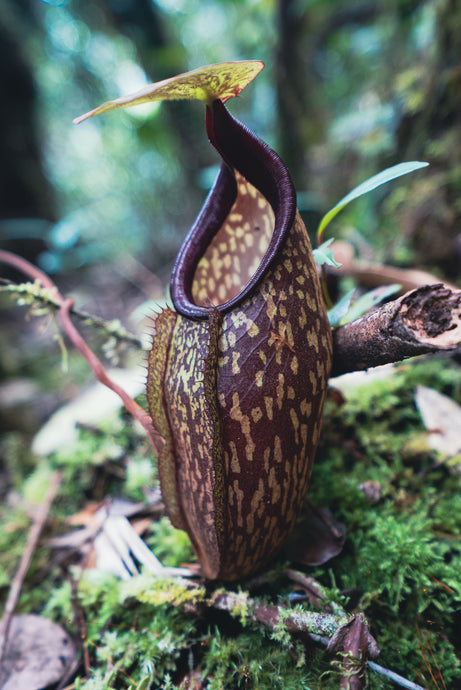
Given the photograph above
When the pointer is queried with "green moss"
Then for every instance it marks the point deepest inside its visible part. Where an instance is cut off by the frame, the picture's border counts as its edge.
(157, 591)
(250, 661)
(401, 559)
(402, 553)
(17, 460)
(172, 546)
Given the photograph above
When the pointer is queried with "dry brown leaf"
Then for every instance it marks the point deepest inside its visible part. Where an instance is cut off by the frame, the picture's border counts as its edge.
(110, 542)
(38, 653)
(354, 645)
(316, 539)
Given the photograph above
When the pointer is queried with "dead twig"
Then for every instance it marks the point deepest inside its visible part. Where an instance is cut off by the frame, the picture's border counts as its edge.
(324, 628)
(394, 677)
(424, 320)
(80, 623)
(32, 540)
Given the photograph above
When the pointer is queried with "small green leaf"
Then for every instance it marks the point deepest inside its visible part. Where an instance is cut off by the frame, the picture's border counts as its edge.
(372, 183)
(340, 309)
(345, 311)
(368, 301)
(224, 80)
(324, 256)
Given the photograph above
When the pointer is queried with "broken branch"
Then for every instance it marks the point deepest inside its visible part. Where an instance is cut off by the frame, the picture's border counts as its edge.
(424, 320)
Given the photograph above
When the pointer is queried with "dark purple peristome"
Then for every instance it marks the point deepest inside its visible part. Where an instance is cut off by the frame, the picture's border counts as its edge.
(242, 150)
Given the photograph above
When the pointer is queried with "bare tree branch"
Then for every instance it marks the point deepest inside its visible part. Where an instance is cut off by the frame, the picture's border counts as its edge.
(424, 320)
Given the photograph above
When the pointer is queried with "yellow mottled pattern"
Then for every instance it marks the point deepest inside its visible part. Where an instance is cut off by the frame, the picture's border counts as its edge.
(163, 327)
(272, 404)
(193, 430)
(237, 248)
(241, 443)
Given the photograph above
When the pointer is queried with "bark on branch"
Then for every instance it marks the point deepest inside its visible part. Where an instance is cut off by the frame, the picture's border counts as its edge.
(424, 320)
(427, 319)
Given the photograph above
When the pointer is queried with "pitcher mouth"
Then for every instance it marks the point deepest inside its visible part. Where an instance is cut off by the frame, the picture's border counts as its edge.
(241, 227)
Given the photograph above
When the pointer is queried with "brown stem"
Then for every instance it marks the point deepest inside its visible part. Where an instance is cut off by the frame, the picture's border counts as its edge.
(27, 268)
(424, 320)
(353, 645)
(32, 539)
(65, 306)
(102, 376)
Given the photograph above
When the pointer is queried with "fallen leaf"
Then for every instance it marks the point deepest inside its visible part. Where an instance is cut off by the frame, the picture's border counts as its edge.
(17, 392)
(113, 506)
(316, 539)
(442, 418)
(38, 652)
(110, 542)
(354, 645)
(223, 81)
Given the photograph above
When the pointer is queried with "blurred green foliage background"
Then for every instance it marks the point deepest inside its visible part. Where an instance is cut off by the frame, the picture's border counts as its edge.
(349, 88)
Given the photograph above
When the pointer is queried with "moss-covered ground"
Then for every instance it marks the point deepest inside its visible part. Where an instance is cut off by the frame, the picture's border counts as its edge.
(400, 564)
